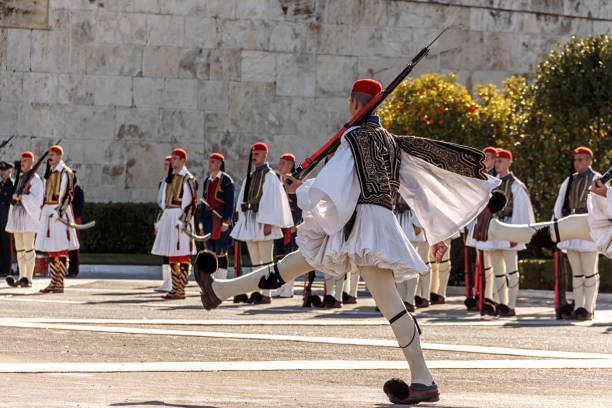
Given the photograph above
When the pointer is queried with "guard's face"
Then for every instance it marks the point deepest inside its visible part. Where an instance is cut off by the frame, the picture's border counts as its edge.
(489, 160)
(258, 157)
(26, 163)
(214, 166)
(502, 164)
(177, 163)
(582, 162)
(166, 167)
(284, 166)
(54, 158)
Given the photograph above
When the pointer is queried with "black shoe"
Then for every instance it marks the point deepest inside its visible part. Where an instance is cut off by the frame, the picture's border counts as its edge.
(504, 311)
(436, 299)
(11, 281)
(348, 299)
(419, 302)
(25, 282)
(566, 312)
(241, 298)
(582, 314)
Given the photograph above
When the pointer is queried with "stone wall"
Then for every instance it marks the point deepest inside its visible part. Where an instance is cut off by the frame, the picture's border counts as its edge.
(121, 82)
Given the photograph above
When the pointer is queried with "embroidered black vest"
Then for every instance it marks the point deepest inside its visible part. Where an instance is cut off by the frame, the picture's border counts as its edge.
(258, 177)
(377, 161)
(578, 192)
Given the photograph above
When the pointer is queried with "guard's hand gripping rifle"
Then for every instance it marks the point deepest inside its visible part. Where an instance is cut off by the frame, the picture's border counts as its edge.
(310, 163)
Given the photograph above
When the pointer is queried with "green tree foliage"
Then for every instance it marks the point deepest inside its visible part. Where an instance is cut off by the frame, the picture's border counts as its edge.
(569, 104)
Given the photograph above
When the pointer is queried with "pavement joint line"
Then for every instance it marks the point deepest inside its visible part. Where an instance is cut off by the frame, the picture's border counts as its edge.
(309, 339)
(305, 322)
(294, 365)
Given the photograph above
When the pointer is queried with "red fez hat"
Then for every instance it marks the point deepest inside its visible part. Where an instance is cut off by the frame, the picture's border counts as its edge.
(180, 153)
(168, 158)
(583, 150)
(288, 156)
(259, 146)
(369, 86)
(28, 154)
(490, 149)
(503, 154)
(217, 156)
(56, 149)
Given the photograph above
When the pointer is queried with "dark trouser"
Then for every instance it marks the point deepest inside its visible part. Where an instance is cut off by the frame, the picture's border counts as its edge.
(6, 252)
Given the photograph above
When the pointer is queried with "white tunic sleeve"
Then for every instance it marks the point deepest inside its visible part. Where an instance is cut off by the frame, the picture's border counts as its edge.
(63, 187)
(522, 212)
(600, 221)
(34, 199)
(332, 196)
(609, 197)
(274, 206)
(560, 199)
(444, 202)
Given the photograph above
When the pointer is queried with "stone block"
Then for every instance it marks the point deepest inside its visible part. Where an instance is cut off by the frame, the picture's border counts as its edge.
(258, 66)
(161, 61)
(181, 126)
(165, 30)
(41, 120)
(288, 37)
(330, 39)
(194, 63)
(225, 65)
(216, 122)
(11, 86)
(259, 9)
(76, 89)
(39, 87)
(200, 32)
(213, 96)
(184, 7)
(344, 12)
(113, 91)
(50, 51)
(8, 118)
(114, 59)
(181, 93)
(243, 34)
(147, 6)
(148, 91)
(296, 75)
(221, 8)
(59, 19)
(383, 69)
(137, 125)
(19, 43)
(3, 48)
(144, 166)
(24, 14)
(121, 28)
(90, 122)
(82, 27)
(335, 75)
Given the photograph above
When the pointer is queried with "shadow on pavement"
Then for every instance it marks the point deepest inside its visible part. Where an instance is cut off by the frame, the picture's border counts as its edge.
(158, 404)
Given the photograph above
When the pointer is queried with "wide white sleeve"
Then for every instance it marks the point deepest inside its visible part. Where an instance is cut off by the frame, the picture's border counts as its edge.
(609, 197)
(522, 212)
(557, 212)
(34, 199)
(444, 202)
(274, 206)
(240, 199)
(332, 196)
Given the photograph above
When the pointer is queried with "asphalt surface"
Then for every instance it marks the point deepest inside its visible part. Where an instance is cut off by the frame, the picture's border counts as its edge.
(115, 343)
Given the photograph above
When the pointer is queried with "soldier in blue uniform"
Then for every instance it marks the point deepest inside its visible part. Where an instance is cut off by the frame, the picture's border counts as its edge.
(285, 245)
(216, 213)
(6, 195)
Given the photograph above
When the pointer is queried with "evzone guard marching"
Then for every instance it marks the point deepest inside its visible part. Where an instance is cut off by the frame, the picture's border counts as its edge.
(166, 285)
(55, 237)
(172, 239)
(503, 253)
(348, 223)
(217, 211)
(23, 221)
(583, 256)
(263, 210)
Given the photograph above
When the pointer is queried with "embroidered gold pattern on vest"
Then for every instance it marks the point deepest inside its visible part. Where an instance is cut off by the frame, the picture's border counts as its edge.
(174, 192)
(578, 192)
(52, 188)
(258, 177)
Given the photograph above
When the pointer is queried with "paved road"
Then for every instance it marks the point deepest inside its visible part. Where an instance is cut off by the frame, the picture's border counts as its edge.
(115, 343)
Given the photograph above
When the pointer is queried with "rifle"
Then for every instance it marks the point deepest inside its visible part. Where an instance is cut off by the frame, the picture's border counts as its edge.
(606, 177)
(24, 180)
(330, 147)
(5, 142)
